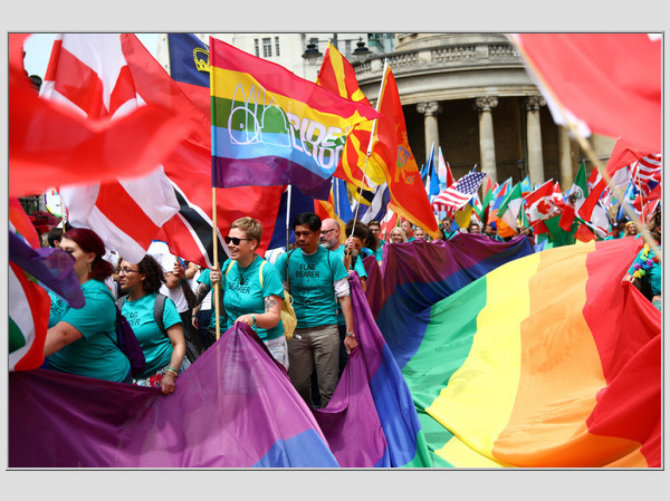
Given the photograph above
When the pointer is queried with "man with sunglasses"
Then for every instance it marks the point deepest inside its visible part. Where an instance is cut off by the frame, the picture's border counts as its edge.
(315, 278)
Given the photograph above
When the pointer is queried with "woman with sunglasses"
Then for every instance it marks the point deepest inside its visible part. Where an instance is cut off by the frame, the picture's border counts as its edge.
(247, 298)
(163, 350)
(83, 341)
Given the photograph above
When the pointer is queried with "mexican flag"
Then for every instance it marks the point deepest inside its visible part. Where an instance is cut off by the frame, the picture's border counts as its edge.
(576, 196)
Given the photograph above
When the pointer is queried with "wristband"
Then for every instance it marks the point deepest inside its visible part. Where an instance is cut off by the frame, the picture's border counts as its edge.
(349, 334)
(172, 370)
(254, 319)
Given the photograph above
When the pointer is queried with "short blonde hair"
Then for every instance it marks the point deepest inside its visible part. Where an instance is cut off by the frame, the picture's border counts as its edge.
(252, 227)
(402, 233)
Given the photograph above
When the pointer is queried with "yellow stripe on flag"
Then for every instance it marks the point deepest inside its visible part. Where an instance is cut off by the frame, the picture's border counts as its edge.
(489, 377)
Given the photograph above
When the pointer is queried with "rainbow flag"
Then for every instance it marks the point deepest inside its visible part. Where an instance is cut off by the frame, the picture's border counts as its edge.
(547, 361)
(418, 274)
(271, 127)
(234, 408)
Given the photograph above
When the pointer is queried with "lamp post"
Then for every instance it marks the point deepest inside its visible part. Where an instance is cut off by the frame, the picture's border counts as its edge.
(312, 53)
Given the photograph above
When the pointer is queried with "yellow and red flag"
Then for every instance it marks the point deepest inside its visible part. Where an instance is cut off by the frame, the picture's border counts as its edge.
(391, 149)
(337, 75)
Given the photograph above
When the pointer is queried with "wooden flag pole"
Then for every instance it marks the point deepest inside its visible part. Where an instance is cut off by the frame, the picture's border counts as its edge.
(217, 289)
(370, 144)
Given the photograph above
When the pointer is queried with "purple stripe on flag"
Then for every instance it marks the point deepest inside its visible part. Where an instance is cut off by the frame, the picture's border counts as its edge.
(416, 275)
(234, 407)
(268, 171)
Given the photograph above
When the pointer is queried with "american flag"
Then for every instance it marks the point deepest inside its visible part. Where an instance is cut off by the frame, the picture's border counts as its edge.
(458, 194)
(646, 173)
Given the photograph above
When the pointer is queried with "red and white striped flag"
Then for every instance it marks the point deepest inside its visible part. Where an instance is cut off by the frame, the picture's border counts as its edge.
(91, 74)
(458, 194)
(646, 173)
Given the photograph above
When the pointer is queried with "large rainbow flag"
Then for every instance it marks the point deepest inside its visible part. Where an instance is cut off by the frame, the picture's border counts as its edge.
(547, 361)
(271, 127)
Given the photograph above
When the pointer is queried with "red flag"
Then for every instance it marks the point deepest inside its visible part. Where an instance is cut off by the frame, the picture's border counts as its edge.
(541, 203)
(609, 83)
(52, 143)
(408, 195)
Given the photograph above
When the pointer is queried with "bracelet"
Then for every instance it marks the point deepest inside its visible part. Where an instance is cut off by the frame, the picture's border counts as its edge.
(173, 371)
(349, 334)
(254, 319)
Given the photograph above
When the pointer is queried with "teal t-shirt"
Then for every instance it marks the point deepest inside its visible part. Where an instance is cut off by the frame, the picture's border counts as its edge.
(58, 308)
(358, 268)
(311, 283)
(156, 346)
(244, 295)
(204, 278)
(96, 353)
(653, 274)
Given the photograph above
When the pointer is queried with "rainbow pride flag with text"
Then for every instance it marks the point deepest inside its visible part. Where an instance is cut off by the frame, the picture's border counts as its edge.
(271, 127)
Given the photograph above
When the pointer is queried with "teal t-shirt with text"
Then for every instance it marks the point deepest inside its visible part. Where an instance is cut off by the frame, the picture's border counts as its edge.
(311, 283)
(244, 295)
(156, 346)
(96, 353)
(358, 268)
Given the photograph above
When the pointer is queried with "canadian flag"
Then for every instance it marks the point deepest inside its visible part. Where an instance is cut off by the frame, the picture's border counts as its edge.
(541, 203)
(91, 75)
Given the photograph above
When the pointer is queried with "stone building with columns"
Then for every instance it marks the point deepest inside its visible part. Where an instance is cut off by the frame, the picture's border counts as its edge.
(469, 93)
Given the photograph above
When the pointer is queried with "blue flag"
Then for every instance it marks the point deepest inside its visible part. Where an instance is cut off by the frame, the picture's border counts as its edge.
(189, 59)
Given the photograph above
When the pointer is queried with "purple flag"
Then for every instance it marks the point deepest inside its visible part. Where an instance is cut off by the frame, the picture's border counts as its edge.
(234, 407)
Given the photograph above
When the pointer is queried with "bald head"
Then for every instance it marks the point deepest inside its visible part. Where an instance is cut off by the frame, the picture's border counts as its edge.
(330, 234)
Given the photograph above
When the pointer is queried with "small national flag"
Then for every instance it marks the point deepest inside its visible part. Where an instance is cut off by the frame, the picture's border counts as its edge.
(541, 203)
(456, 196)
(271, 127)
(646, 173)
(509, 209)
(576, 196)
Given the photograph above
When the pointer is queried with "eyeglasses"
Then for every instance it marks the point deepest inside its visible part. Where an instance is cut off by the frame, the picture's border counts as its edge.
(325, 232)
(125, 271)
(235, 240)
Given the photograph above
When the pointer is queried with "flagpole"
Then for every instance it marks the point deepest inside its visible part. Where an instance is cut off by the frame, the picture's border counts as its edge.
(216, 263)
(369, 150)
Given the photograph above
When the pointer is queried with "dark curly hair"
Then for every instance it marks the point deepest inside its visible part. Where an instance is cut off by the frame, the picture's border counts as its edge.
(153, 273)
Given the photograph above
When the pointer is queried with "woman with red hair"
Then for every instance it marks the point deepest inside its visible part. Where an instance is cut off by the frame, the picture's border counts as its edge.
(83, 341)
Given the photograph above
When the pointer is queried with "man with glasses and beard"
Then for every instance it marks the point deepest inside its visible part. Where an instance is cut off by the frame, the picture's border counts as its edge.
(315, 277)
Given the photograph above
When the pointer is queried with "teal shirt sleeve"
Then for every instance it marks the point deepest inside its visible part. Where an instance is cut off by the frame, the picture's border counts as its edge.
(97, 315)
(338, 269)
(272, 284)
(58, 308)
(170, 314)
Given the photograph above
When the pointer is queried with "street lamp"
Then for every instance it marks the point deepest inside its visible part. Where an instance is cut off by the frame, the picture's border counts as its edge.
(312, 53)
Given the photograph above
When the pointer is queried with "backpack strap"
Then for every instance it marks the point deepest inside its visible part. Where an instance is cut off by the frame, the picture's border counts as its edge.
(260, 274)
(159, 307)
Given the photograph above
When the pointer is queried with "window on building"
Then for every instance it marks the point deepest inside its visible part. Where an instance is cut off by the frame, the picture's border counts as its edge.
(347, 48)
(276, 46)
(267, 47)
(257, 49)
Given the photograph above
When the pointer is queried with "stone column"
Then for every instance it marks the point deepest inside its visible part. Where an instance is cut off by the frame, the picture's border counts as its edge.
(565, 158)
(534, 136)
(430, 111)
(487, 148)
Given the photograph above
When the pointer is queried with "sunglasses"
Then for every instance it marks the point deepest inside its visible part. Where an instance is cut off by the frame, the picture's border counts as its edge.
(235, 240)
(325, 232)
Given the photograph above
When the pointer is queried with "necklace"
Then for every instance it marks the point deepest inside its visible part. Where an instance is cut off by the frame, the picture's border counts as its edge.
(243, 272)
